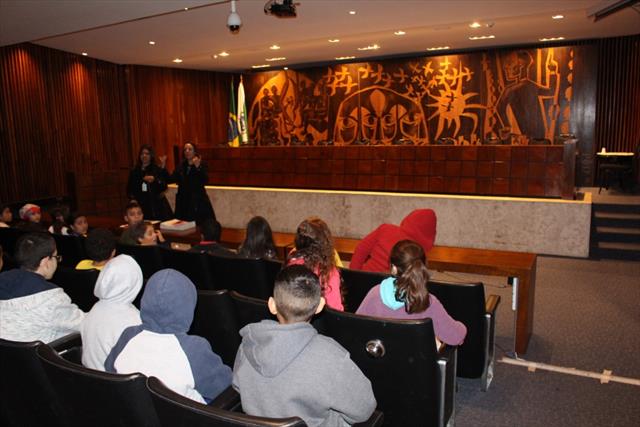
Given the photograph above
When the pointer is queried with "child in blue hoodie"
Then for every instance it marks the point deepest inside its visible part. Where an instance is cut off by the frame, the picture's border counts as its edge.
(286, 369)
(160, 346)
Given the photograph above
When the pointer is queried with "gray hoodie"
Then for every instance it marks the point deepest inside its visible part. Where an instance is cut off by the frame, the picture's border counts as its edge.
(290, 370)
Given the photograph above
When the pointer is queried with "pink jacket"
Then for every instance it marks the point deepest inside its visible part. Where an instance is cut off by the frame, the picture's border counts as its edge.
(331, 289)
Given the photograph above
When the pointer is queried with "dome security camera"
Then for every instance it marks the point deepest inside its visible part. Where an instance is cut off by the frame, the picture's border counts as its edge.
(233, 21)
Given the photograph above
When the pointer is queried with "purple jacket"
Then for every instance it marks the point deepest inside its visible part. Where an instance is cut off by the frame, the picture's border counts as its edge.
(446, 329)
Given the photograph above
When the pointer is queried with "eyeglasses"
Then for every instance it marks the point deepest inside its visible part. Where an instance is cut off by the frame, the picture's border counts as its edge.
(57, 257)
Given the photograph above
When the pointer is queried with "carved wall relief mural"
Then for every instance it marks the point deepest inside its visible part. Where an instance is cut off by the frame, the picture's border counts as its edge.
(509, 97)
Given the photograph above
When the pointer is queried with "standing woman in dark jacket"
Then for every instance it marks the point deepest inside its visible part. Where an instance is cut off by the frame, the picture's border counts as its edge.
(147, 184)
(192, 202)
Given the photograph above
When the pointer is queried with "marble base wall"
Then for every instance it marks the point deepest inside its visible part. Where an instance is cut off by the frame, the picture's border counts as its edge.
(542, 226)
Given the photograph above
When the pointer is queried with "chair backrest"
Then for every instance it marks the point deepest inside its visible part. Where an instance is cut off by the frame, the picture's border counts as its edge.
(465, 302)
(78, 284)
(215, 320)
(148, 257)
(8, 238)
(405, 375)
(251, 277)
(357, 284)
(95, 398)
(192, 264)
(27, 396)
(249, 309)
(175, 410)
(71, 248)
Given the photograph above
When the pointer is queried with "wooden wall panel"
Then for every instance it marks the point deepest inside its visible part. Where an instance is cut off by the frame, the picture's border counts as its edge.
(60, 113)
(169, 106)
(618, 94)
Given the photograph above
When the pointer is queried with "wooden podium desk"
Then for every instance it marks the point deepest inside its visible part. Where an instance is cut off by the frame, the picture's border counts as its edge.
(519, 265)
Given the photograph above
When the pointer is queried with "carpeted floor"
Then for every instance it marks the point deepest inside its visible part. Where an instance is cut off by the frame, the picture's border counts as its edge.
(587, 316)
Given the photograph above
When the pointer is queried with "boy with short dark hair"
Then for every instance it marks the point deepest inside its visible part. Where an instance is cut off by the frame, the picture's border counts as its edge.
(132, 215)
(101, 247)
(286, 368)
(32, 308)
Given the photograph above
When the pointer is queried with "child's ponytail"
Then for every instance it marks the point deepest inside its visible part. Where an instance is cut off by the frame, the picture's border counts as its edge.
(412, 276)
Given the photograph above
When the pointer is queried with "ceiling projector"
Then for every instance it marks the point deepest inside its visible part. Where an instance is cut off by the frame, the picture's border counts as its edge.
(283, 9)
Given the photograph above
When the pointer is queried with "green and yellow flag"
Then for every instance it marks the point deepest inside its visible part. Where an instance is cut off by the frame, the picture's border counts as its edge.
(233, 138)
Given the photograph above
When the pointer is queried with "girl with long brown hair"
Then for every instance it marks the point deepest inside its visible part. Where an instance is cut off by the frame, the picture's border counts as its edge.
(314, 249)
(405, 295)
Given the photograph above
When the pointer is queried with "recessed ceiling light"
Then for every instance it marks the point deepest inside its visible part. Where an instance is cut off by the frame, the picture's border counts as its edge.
(557, 17)
(399, 33)
(261, 66)
(370, 47)
(334, 40)
(278, 58)
(151, 42)
(482, 37)
(352, 12)
(342, 58)
(550, 39)
(274, 47)
(475, 25)
(438, 48)
(177, 60)
(84, 54)
(224, 53)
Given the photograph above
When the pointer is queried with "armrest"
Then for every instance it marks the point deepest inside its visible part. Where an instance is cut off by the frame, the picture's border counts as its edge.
(229, 400)
(447, 352)
(491, 304)
(66, 343)
(375, 420)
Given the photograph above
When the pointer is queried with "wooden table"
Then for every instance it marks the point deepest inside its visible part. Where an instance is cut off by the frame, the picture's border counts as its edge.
(519, 265)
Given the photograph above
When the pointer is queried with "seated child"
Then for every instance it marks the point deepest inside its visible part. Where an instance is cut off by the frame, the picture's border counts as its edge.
(117, 286)
(258, 242)
(160, 346)
(210, 230)
(6, 216)
(59, 225)
(132, 215)
(286, 368)
(144, 234)
(31, 216)
(101, 247)
(78, 224)
(406, 295)
(314, 249)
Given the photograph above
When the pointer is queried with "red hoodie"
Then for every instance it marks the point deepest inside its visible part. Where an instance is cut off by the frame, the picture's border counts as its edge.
(372, 253)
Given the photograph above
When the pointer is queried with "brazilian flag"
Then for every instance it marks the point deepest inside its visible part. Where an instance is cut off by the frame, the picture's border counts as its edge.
(233, 138)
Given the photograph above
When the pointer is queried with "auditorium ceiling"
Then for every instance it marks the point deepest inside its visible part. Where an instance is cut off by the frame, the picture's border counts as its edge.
(196, 31)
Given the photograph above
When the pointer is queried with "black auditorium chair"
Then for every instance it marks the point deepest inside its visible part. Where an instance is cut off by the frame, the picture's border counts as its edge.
(215, 320)
(413, 382)
(28, 399)
(148, 257)
(175, 410)
(71, 248)
(95, 398)
(8, 238)
(251, 277)
(192, 264)
(78, 284)
(249, 309)
(466, 303)
(357, 284)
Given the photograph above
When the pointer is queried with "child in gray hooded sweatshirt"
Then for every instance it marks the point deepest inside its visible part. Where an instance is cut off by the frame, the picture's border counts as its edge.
(286, 368)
